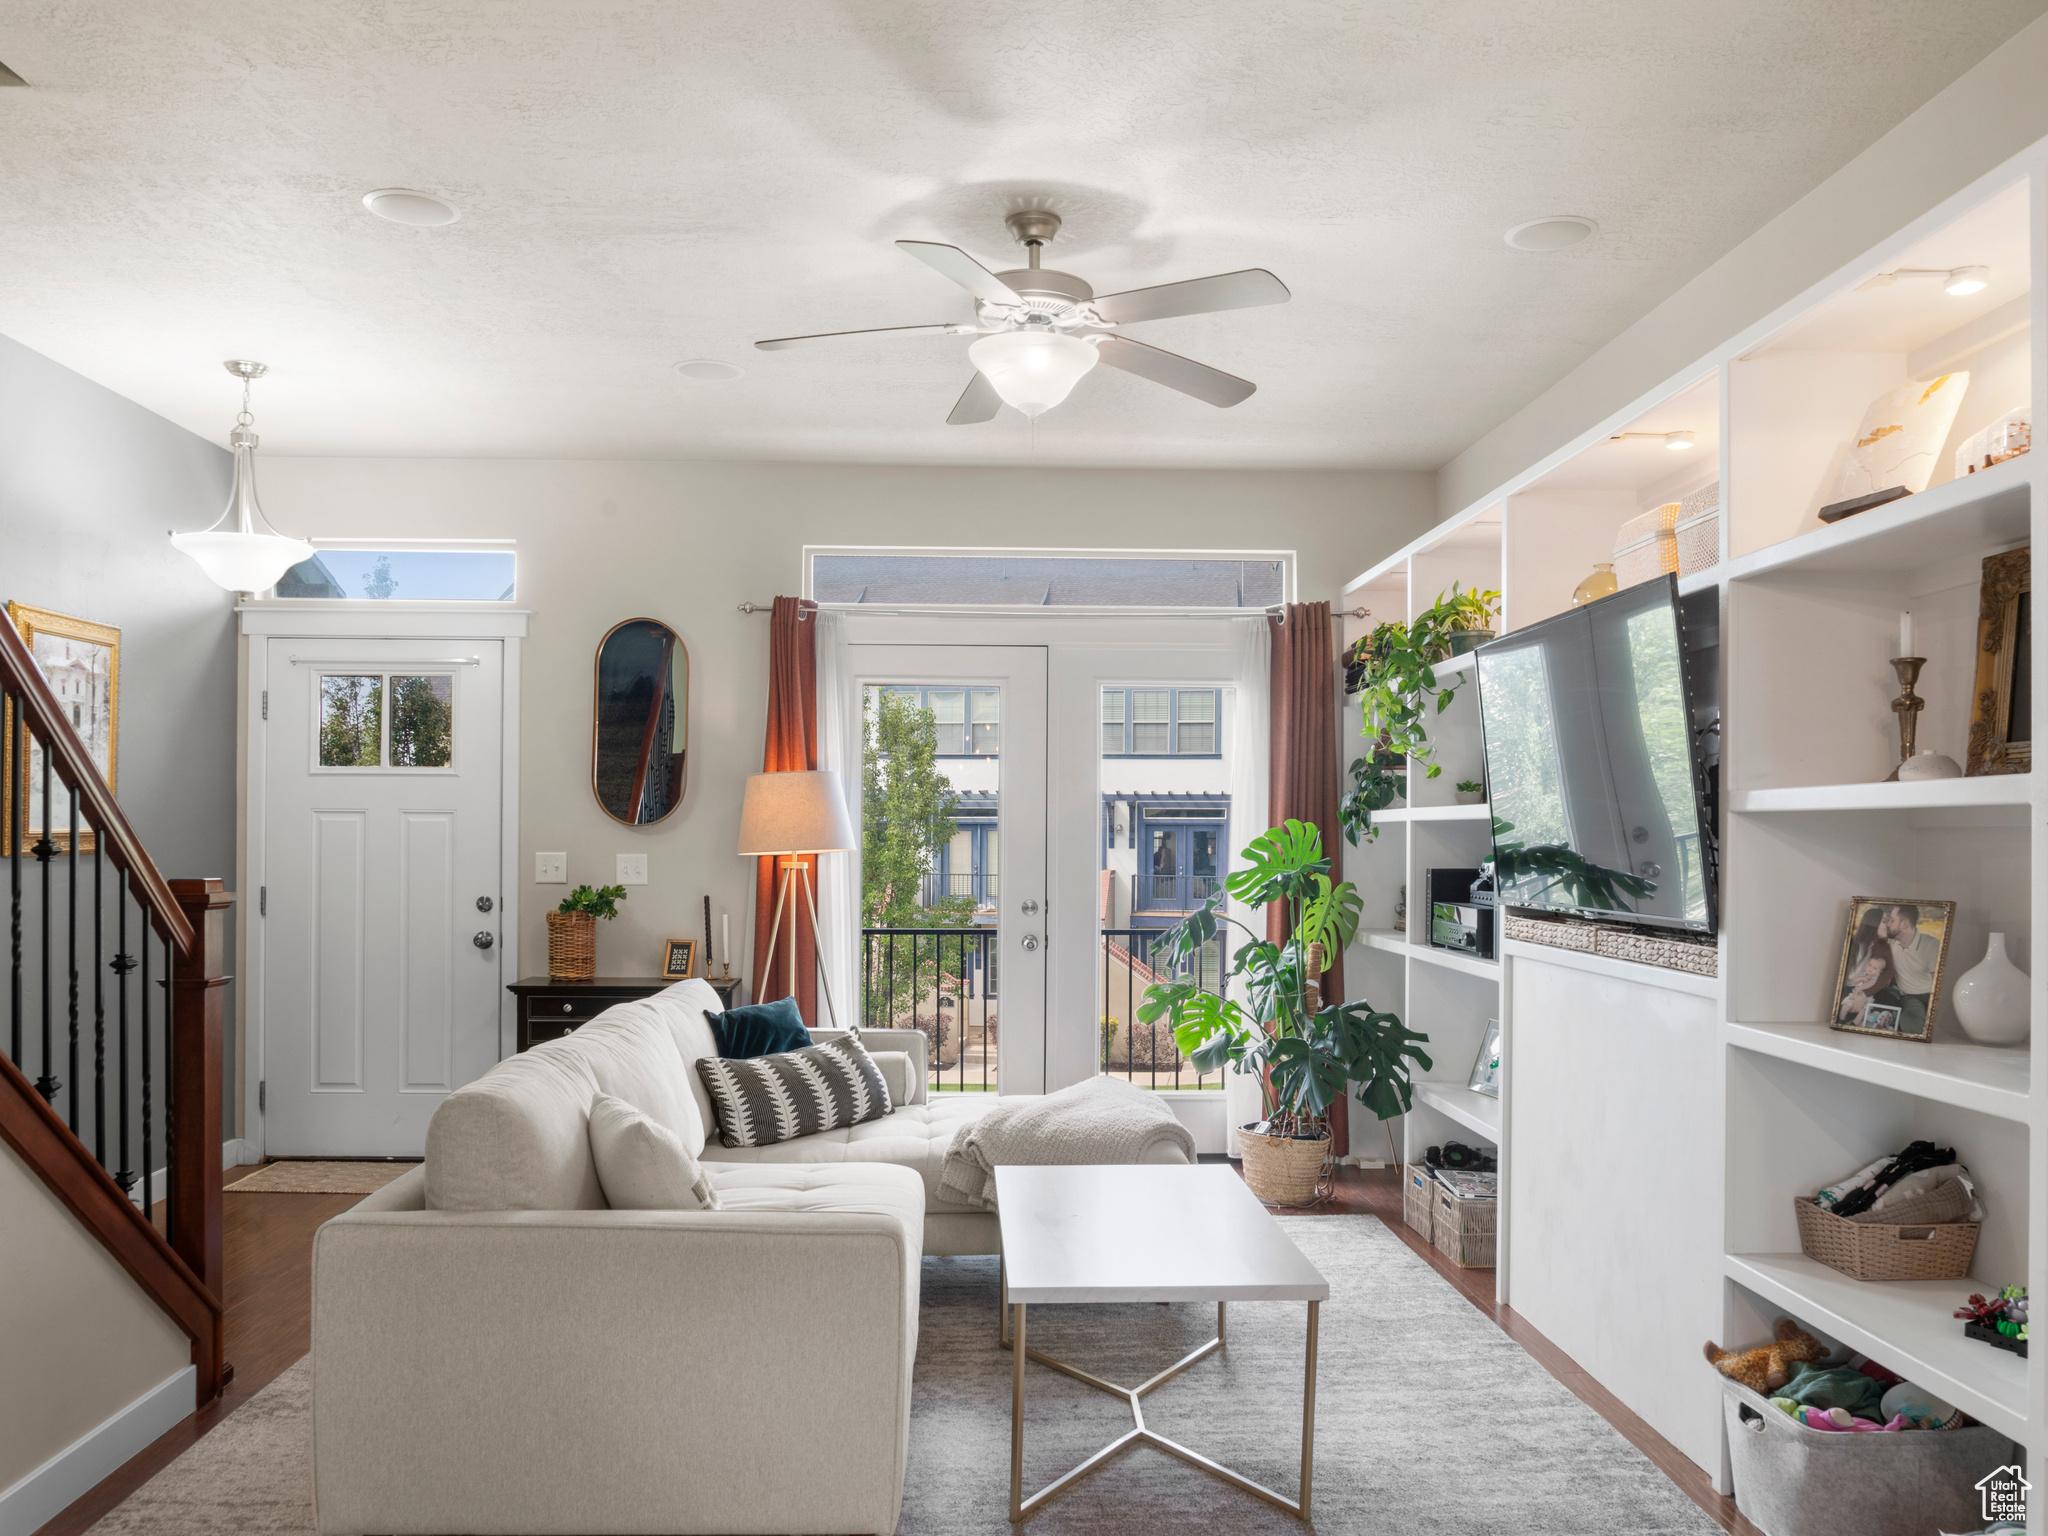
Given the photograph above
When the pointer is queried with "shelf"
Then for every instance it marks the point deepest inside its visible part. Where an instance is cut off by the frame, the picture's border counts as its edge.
(1968, 517)
(1477, 1112)
(1478, 812)
(1392, 940)
(1902, 1324)
(1993, 1079)
(1999, 789)
(1619, 970)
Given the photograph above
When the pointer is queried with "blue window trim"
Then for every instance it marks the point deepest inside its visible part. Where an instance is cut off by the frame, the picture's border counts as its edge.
(1143, 802)
(1172, 721)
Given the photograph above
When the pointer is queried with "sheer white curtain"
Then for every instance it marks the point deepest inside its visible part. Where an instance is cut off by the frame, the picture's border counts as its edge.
(1252, 643)
(839, 749)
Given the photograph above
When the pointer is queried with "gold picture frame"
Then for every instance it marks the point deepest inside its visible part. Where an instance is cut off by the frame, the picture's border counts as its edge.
(679, 961)
(81, 660)
(2004, 626)
(1877, 985)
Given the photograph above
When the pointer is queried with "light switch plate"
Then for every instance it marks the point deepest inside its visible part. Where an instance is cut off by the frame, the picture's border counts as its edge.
(551, 869)
(632, 869)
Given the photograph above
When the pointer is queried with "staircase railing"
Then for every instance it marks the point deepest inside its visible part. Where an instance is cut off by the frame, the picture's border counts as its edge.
(110, 1058)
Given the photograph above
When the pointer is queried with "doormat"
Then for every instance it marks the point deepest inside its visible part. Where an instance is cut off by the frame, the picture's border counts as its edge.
(319, 1178)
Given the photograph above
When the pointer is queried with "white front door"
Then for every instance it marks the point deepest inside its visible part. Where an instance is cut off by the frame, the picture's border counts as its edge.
(979, 982)
(382, 889)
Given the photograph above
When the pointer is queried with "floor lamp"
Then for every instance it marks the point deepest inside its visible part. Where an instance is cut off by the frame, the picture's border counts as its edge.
(786, 816)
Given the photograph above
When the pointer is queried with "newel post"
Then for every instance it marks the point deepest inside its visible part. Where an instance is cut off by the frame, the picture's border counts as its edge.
(197, 990)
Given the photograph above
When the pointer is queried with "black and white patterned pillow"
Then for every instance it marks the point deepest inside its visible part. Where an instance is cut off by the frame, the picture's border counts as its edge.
(765, 1099)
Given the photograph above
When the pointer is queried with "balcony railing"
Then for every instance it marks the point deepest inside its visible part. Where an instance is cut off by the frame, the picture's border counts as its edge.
(979, 888)
(1145, 1054)
(1172, 893)
(941, 981)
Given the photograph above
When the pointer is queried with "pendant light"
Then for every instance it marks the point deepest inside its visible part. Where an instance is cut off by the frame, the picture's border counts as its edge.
(248, 554)
(1032, 369)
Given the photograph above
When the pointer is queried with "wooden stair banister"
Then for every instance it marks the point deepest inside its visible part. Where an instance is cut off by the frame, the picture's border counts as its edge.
(182, 1272)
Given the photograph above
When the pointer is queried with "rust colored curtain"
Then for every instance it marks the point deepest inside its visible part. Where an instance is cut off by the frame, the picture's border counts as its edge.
(791, 747)
(1303, 769)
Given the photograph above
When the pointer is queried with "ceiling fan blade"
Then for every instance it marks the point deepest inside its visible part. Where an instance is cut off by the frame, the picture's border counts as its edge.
(780, 342)
(951, 261)
(1196, 296)
(978, 402)
(1174, 371)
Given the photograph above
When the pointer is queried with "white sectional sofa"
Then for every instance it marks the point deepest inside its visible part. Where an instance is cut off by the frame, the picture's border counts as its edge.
(494, 1350)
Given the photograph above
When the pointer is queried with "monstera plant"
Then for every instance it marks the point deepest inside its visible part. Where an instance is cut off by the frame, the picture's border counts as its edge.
(1304, 1049)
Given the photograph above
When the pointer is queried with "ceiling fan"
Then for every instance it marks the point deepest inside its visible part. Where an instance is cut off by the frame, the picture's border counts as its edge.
(1041, 330)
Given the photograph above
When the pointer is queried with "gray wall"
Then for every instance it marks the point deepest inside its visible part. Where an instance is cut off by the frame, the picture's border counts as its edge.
(90, 484)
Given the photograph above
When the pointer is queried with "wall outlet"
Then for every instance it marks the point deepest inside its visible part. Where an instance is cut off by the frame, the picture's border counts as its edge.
(551, 869)
(632, 869)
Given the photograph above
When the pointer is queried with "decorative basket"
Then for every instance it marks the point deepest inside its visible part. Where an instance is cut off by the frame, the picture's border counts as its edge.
(1866, 1251)
(1466, 1231)
(1558, 933)
(572, 946)
(1283, 1170)
(1647, 949)
(1699, 542)
(1419, 1200)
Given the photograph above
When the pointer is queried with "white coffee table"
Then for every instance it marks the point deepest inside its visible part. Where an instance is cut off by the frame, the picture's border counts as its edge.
(1146, 1232)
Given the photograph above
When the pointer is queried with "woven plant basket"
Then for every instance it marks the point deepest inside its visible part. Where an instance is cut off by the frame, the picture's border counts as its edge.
(572, 946)
(1867, 1251)
(1282, 1170)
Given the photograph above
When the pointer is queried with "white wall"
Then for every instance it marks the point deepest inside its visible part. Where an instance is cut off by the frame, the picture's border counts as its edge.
(601, 541)
(1989, 114)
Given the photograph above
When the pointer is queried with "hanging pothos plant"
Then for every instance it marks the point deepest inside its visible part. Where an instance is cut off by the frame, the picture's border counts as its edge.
(1393, 673)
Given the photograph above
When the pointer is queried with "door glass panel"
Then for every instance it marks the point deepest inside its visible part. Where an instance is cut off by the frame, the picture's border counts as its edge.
(351, 721)
(929, 840)
(422, 721)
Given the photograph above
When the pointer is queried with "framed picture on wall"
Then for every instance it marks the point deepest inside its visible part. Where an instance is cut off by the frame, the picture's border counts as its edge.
(1893, 956)
(680, 962)
(81, 661)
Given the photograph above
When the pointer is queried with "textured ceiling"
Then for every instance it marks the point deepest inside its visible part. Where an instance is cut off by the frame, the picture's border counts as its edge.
(644, 181)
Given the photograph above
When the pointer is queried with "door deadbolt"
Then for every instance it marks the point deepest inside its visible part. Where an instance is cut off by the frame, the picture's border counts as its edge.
(483, 903)
(1029, 907)
(484, 940)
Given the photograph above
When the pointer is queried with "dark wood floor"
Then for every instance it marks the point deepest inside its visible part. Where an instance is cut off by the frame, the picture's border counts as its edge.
(269, 1306)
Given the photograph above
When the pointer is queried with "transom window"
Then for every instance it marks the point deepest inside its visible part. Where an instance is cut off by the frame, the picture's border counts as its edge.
(1160, 722)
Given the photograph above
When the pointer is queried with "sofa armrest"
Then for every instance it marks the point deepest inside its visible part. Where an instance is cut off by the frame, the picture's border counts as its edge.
(541, 1370)
(909, 1041)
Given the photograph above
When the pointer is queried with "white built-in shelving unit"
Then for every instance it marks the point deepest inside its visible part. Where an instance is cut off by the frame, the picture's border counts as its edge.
(1655, 1127)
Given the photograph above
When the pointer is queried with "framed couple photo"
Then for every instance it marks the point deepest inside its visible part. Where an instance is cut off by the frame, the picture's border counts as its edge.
(1893, 958)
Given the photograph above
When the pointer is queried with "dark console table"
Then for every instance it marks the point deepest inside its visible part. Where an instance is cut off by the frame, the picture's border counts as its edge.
(549, 1009)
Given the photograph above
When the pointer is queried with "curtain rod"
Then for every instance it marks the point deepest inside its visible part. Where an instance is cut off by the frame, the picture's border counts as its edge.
(897, 610)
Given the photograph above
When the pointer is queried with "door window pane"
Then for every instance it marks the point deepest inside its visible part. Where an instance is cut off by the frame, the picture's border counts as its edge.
(1202, 852)
(1112, 722)
(1197, 721)
(1165, 851)
(352, 722)
(1151, 711)
(422, 721)
(988, 730)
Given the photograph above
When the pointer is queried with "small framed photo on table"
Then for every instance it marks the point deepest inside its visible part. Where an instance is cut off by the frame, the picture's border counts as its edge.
(680, 963)
(1893, 957)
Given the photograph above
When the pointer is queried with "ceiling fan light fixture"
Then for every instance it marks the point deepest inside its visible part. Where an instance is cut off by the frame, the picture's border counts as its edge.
(1032, 370)
(1966, 280)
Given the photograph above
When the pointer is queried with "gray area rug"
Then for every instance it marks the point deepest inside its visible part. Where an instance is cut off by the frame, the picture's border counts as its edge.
(1428, 1419)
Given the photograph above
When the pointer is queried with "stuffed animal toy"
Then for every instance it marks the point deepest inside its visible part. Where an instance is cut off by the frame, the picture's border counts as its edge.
(1768, 1366)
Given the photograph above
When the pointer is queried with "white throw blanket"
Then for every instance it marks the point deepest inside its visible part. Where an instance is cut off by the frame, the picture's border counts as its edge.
(1102, 1120)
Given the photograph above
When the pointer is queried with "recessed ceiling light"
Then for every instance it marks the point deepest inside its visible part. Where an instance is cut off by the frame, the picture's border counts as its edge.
(1551, 234)
(706, 371)
(401, 205)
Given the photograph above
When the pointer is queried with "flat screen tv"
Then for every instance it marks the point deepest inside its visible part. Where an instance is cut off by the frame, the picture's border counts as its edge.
(1595, 772)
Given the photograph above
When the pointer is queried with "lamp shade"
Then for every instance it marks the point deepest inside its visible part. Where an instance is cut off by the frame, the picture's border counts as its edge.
(1032, 370)
(796, 813)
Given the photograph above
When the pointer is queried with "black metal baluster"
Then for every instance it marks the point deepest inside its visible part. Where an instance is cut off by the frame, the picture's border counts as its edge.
(47, 1085)
(123, 963)
(170, 1100)
(71, 941)
(148, 1191)
(99, 1008)
(17, 787)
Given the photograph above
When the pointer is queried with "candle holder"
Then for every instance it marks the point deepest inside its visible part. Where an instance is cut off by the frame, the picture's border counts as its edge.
(1907, 707)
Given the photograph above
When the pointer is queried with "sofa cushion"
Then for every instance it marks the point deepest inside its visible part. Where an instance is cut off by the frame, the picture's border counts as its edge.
(760, 1029)
(877, 1188)
(796, 1093)
(915, 1136)
(642, 1164)
(686, 1008)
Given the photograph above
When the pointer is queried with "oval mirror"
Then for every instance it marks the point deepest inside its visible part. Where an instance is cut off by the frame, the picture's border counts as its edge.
(643, 721)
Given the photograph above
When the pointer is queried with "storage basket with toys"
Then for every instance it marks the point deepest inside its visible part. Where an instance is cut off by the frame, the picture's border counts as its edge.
(1822, 1441)
(1911, 1216)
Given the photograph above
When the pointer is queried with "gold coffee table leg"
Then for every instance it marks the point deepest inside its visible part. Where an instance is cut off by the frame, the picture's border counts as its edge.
(1021, 1507)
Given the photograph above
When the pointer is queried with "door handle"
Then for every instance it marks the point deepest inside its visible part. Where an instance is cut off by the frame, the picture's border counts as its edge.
(484, 940)
(1030, 942)
(483, 903)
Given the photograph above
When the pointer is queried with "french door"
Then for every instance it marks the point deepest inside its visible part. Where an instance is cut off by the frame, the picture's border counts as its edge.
(963, 955)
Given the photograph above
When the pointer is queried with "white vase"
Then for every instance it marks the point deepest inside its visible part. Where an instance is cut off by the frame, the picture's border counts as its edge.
(1991, 998)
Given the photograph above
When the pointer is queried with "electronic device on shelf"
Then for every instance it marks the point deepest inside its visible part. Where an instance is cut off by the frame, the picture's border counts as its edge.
(1602, 735)
(1456, 920)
